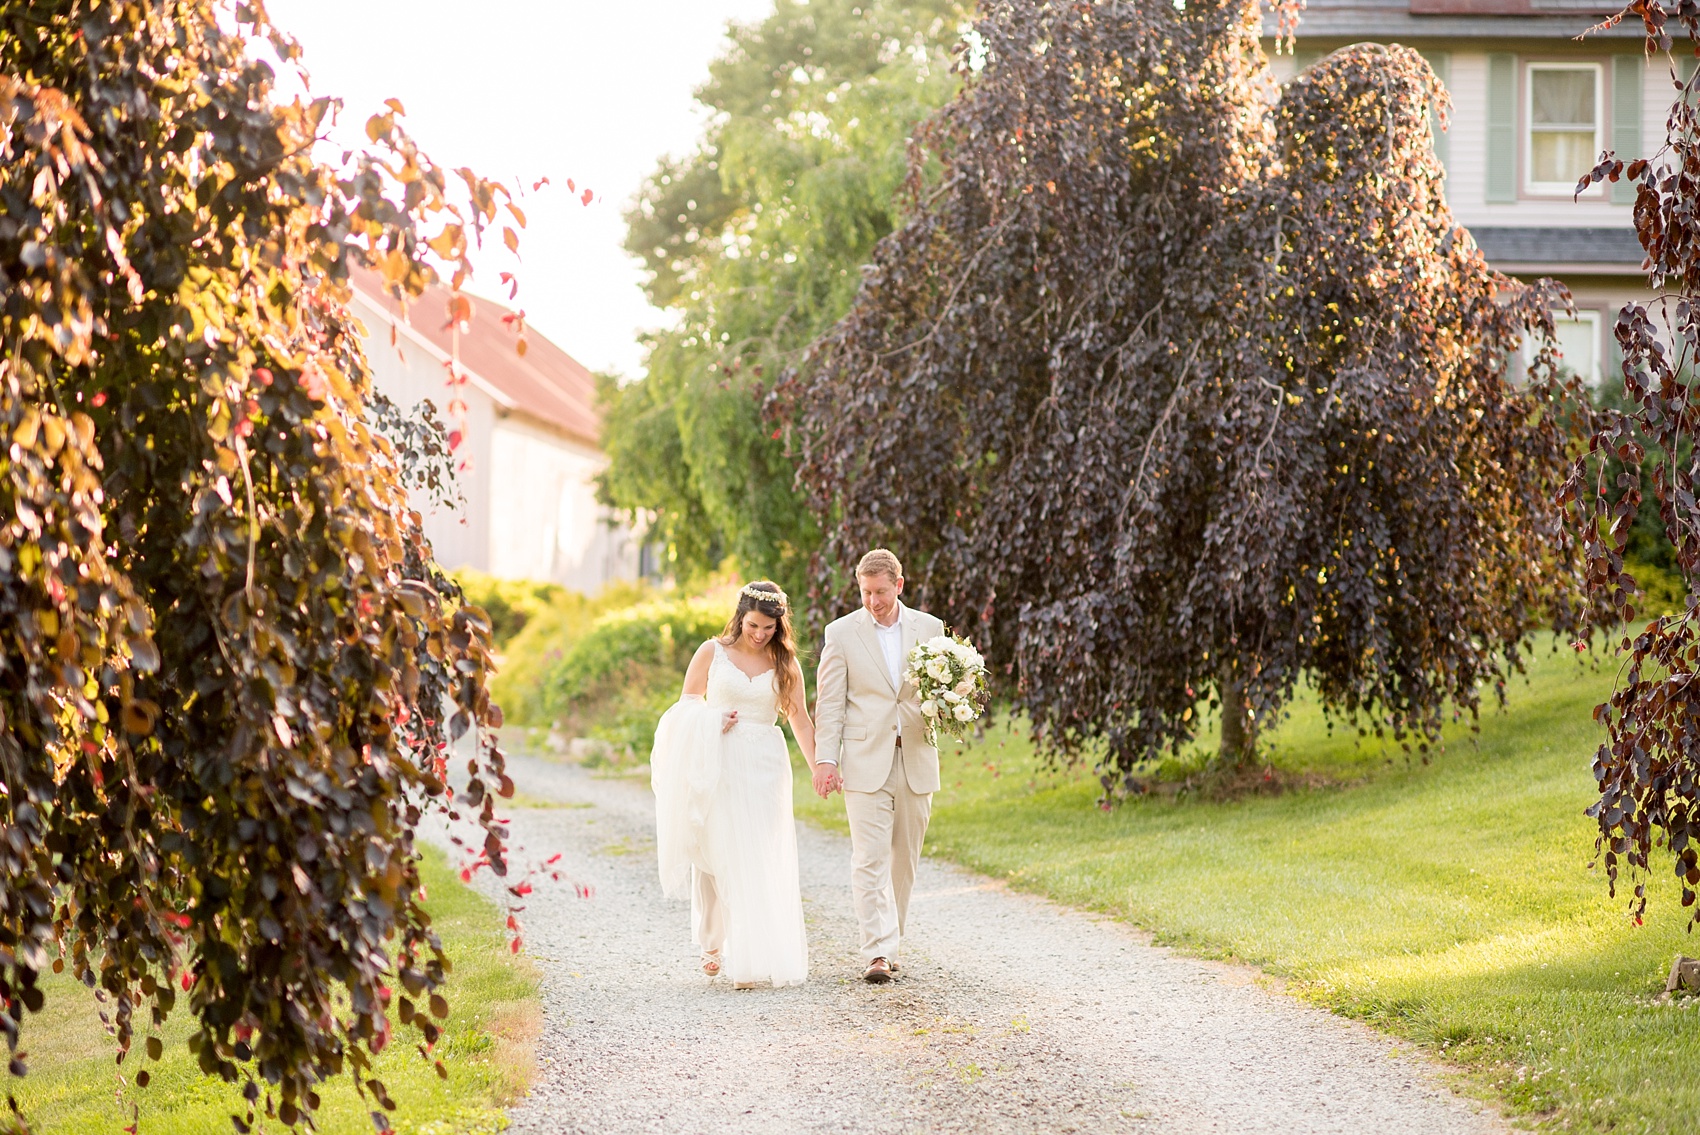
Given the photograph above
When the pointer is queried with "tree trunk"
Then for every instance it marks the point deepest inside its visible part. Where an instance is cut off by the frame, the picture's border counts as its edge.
(1239, 727)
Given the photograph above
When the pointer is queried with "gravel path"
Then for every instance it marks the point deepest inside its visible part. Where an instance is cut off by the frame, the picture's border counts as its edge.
(1013, 1014)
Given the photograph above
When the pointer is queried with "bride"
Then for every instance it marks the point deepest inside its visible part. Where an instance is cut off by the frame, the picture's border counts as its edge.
(722, 779)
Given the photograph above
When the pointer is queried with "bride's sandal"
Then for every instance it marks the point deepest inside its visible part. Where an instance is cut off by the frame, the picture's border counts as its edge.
(711, 962)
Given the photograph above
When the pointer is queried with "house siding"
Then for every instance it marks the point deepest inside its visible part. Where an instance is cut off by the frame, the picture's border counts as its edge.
(1466, 140)
(1605, 289)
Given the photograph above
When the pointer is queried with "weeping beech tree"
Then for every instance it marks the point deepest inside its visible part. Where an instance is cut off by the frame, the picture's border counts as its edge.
(1648, 767)
(1175, 393)
(230, 671)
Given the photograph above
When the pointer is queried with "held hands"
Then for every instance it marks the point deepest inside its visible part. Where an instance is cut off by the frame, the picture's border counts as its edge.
(827, 780)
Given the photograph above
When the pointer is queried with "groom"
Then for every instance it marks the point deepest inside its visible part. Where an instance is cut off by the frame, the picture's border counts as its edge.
(872, 743)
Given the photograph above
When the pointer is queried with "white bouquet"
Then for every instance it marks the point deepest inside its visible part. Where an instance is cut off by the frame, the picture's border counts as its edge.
(951, 676)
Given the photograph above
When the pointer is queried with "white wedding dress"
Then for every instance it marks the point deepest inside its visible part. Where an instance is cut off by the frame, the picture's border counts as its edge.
(723, 810)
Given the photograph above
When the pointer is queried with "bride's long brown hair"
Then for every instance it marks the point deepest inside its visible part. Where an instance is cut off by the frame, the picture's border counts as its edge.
(782, 647)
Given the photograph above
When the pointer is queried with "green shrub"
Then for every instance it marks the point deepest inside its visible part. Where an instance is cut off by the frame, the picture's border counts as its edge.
(628, 723)
(604, 668)
(661, 634)
(617, 679)
(527, 659)
(510, 603)
(1666, 594)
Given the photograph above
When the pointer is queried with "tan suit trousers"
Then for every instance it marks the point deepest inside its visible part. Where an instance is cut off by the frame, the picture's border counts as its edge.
(886, 830)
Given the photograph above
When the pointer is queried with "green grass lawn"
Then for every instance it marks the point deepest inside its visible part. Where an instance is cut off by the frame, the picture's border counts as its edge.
(74, 1086)
(1449, 903)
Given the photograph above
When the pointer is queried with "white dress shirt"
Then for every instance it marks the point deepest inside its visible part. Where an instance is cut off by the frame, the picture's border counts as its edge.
(891, 645)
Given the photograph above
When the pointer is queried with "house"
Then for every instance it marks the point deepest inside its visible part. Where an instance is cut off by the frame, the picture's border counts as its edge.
(1531, 110)
(528, 507)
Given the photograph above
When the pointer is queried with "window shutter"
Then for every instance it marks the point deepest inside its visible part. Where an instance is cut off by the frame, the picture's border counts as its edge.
(1611, 375)
(1502, 128)
(1440, 62)
(1625, 120)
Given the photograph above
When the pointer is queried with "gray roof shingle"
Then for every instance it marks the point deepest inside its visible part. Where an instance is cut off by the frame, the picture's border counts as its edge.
(1455, 19)
(1605, 247)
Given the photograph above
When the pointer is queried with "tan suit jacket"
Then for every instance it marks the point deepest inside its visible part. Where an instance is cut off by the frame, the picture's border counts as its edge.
(859, 715)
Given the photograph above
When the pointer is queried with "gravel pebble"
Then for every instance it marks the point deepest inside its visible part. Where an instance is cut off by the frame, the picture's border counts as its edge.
(1011, 1014)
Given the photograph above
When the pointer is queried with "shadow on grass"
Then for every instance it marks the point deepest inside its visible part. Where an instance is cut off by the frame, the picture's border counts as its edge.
(74, 1086)
(1449, 902)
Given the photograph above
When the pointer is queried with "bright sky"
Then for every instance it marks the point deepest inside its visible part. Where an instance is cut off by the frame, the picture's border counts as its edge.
(593, 90)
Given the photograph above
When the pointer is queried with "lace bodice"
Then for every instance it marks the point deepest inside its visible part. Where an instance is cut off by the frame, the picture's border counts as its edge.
(756, 699)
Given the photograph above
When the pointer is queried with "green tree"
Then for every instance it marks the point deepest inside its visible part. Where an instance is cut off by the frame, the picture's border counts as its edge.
(756, 240)
(231, 672)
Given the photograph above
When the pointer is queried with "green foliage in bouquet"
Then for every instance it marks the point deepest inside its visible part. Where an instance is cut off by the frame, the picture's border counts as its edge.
(950, 676)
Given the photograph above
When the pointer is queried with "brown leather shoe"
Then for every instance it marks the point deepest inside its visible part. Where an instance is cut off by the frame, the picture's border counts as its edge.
(878, 972)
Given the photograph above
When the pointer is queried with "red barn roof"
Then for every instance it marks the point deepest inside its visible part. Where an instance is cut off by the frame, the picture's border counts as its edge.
(545, 383)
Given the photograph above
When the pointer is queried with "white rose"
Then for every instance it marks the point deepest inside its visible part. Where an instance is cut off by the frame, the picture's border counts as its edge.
(963, 711)
(949, 697)
(966, 686)
(929, 709)
(938, 670)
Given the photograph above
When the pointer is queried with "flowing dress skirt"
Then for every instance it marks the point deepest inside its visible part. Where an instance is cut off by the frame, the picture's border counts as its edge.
(723, 809)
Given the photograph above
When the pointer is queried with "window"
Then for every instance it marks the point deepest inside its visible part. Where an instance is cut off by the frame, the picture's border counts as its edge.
(1579, 344)
(1563, 113)
(1578, 340)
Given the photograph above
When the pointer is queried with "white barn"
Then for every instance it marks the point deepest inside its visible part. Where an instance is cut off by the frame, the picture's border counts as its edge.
(528, 507)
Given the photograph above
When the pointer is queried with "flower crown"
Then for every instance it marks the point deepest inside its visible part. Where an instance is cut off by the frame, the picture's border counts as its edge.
(751, 591)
